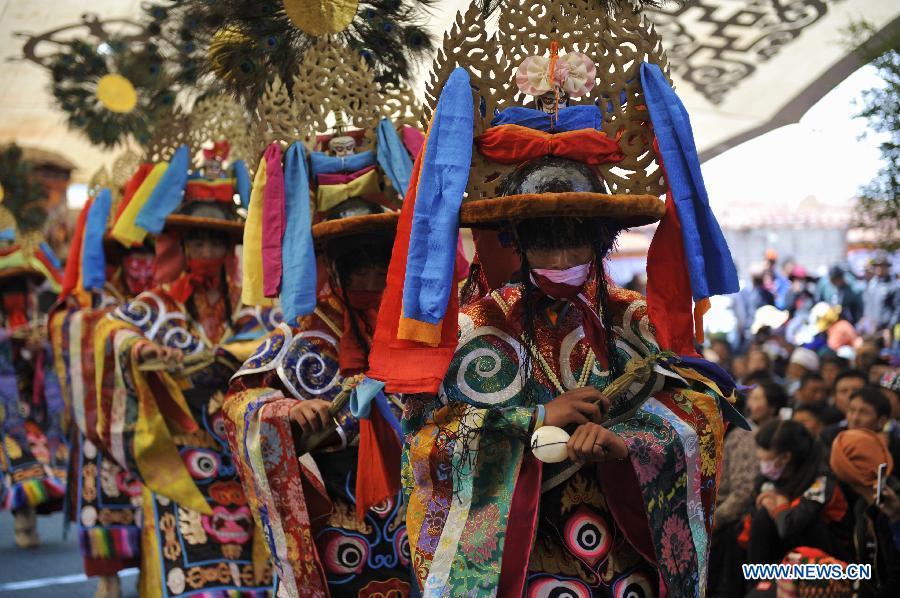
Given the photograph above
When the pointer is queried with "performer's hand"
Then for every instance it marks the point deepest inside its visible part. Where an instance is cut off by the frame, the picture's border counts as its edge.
(593, 443)
(311, 414)
(173, 358)
(577, 406)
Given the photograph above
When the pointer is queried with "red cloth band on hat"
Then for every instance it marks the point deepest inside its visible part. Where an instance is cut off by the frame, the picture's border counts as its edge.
(201, 190)
(515, 144)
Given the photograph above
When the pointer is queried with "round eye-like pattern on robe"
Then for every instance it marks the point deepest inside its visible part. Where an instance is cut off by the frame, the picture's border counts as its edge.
(217, 427)
(637, 584)
(202, 464)
(401, 546)
(343, 554)
(551, 587)
(587, 535)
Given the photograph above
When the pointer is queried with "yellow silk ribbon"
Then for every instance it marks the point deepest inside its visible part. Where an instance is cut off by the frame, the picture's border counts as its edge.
(155, 450)
(691, 374)
(149, 581)
(329, 196)
(125, 230)
(252, 292)
(104, 333)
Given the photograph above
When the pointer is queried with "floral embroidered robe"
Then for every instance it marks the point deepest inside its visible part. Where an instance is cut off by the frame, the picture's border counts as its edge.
(33, 450)
(486, 518)
(306, 506)
(168, 431)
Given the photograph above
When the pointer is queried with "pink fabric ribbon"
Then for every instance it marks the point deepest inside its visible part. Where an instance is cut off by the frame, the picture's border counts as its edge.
(343, 179)
(273, 221)
(413, 139)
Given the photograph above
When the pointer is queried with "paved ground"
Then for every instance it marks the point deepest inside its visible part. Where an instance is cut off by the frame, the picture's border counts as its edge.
(53, 569)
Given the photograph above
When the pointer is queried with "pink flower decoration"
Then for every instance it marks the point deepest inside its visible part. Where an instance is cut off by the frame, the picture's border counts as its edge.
(575, 74)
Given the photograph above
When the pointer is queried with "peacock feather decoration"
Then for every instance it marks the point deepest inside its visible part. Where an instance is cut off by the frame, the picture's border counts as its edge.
(111, 89)
(246, 44)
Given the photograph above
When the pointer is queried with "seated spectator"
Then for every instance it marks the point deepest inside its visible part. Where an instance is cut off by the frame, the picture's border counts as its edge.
(739, 367)
(832, 365)
(722, 348)
(758, 361)
(871, 410)
(811, 418)
(855, 457)
(878, 370)
(890, 387)
(813, 391)
(765, 402)
(868, 354)
(803, 361)
(797, 501)
(846, 383)
(733, 501)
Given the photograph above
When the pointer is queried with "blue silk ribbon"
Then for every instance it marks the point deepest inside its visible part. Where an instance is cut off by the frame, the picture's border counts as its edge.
(710, 265)
(167, 195)
(93, 258)
(325, 164)
(573, 118)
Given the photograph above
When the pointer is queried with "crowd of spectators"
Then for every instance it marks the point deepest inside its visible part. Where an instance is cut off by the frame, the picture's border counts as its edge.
(818, 361)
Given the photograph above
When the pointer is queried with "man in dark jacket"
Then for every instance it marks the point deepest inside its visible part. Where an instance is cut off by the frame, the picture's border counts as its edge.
(855, 457)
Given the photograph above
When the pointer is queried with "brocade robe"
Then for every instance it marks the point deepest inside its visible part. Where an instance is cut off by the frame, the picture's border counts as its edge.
(104, 499)
(306, 505)
(33, 450)
(168, 431)
(486, 518)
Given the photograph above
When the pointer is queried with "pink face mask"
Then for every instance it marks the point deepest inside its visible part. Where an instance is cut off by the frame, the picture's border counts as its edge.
(562, 284)
(138, 270)
(771, 470)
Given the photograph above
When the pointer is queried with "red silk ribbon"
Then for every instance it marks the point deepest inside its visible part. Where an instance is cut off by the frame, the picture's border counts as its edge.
(515, 144)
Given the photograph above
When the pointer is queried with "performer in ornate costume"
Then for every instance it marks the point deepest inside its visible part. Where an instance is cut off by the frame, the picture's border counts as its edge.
(163, 361)
(101, 275)
(34, 453)
(623, 502)
(334, 520)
